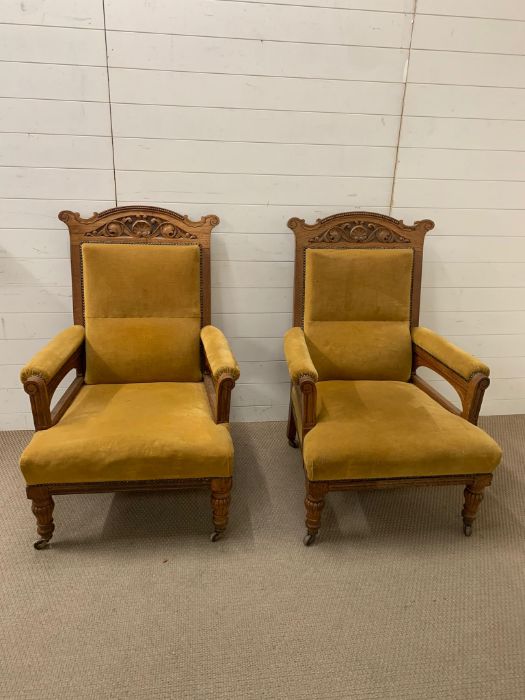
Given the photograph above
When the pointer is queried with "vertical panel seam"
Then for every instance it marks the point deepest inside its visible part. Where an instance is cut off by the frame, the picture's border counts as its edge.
(109, 105)
(405, 82)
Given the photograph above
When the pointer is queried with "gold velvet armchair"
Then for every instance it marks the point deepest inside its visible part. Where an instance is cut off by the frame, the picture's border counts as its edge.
(363, 417)
(149, 405)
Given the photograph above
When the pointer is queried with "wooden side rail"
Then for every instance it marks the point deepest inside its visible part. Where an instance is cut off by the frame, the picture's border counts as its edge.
(470, 390)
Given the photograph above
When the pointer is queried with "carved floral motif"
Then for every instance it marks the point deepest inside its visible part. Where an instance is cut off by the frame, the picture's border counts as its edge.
(359, 232)
(140, 227)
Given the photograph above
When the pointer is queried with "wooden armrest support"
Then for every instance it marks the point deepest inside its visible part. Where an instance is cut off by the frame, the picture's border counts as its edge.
(306, 393)
(219, 395)
(470, 390)
(41, 391)
(303, 376)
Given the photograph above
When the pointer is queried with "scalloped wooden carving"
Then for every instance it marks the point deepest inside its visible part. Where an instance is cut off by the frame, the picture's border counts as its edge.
(136, 226)
(359, 232)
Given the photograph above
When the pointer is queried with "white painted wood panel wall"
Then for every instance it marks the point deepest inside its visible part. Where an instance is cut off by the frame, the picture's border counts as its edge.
(257, 112)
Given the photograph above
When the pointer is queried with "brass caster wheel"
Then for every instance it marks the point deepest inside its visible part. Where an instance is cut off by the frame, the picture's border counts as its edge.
(216, 536)
(41, 544)
(293, 443)
(467, 530)
(308, 539)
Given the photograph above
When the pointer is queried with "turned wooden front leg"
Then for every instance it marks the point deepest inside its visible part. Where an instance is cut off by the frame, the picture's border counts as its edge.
(220, 504)
(314, 504)
(473, 496)
(42, 507)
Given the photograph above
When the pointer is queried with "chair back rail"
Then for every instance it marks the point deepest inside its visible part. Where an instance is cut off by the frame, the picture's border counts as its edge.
(138, 224)
(358, 230)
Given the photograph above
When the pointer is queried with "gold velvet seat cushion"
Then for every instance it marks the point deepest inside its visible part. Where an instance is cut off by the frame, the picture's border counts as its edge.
(382, 429)
(126, 432)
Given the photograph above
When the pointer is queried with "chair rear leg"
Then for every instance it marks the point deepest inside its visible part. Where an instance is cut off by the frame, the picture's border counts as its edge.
(473, 496)
(220, 505)
(42, 507)
(314, 503)
(291, 429)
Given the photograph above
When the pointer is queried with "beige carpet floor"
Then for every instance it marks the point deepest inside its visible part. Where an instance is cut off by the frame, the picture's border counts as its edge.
(133, 601)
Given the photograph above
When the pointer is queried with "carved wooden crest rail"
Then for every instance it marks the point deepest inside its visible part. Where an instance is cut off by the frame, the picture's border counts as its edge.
(359, 232)
(141, 227)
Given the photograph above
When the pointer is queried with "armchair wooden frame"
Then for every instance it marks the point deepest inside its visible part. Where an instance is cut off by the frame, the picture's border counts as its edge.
(360, 230)
(128, 225)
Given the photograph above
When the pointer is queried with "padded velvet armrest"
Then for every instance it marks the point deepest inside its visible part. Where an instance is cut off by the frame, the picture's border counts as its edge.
(218, 353)
(450, 355)
(46, 363)
(297, 356)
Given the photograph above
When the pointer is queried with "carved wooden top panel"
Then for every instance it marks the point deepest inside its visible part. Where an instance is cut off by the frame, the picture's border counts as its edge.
(359, 232)
(359, 228)
(138, 222)
(140, 227)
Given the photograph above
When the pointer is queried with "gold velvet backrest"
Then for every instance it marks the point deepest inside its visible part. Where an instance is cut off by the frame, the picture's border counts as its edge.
(141, 288)
(357, 289)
